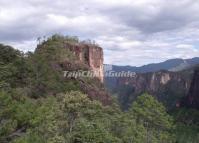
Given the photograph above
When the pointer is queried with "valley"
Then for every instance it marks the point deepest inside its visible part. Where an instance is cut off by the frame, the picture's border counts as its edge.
(39, 103)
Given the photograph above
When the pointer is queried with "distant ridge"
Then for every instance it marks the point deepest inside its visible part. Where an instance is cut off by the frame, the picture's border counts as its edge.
(170, 65)
(173, 65)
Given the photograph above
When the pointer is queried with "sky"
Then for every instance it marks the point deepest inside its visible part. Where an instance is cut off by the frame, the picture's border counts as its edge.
(131, 32)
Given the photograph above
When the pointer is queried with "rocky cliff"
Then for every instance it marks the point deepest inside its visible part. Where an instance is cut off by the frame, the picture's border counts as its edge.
(174, 65)
(89, 54)
(66, 54)
(167, 87)
(192, 99)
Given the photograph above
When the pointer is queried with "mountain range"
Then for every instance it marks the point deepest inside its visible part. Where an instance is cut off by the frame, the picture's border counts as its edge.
(168, 81)
(170, 65)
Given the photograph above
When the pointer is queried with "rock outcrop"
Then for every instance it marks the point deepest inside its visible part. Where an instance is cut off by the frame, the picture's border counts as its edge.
(70, 56)
(167, 87)
(89, 54)
(192, 99)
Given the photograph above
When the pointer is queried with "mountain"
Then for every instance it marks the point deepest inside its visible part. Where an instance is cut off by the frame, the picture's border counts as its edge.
(45, 99)
(168, 81)
(173, 65)
(168, 87)
(71, 56)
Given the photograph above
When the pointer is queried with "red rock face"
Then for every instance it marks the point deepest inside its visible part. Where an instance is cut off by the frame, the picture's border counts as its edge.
(90, 55)
(96, 61)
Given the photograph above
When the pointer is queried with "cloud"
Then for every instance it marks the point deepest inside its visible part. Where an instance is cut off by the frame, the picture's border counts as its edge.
(130, 32)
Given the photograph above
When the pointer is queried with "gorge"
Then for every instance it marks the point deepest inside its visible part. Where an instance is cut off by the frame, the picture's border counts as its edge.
(169, 86)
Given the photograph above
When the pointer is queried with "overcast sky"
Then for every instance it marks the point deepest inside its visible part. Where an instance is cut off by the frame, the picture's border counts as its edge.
(131, 32)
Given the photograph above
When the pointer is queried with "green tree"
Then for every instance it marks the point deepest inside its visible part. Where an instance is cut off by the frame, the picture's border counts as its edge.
(152, 114)
(13, 69)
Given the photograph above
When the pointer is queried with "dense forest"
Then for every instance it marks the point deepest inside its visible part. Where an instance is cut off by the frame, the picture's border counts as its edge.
(38, 105)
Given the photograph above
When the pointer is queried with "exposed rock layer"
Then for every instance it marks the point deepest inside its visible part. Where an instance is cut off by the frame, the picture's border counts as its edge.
(91, 55)
(167, 87)
(192, 100)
